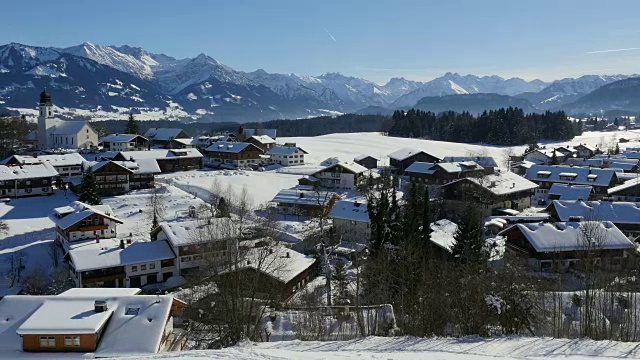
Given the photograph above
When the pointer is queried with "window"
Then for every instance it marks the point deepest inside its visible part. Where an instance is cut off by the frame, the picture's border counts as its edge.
(152, 266)
(96, 221)
(134, 268)
(71, 341)
(45, 181)
(143, 267)
(47, 341)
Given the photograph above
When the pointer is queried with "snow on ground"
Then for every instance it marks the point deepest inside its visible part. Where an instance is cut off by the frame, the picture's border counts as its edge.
(409, 348)
(261, 186)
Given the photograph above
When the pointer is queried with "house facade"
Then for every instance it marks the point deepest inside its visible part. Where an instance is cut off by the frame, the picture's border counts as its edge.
(442, 173)
(300, 202)
(233, 154)
(27, 180)
(167, 160)
(264, 142)
(163, 136)
(125, 142)
(367, 161)
(112, 178)
(287, 155)
(401, 159)
(351, 220)
(342, 175)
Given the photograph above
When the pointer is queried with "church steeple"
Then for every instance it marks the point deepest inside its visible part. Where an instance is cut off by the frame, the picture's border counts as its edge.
(45, 98)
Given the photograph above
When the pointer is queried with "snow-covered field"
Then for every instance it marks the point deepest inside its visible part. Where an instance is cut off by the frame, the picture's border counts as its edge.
(410, 348)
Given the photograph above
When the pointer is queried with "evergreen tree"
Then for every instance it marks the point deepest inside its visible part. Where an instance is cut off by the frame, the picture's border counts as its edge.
(469, 240)
(426, 217)
(616, 151)
(342, 285)
(89, 188)
(554, 158)
(616, 122)
(132, 125)
(223, 208)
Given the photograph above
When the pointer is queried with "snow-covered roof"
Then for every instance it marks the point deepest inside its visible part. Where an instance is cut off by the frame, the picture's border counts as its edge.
(277, 261)
(602, 177)
(71, 159)
(73, 312)
(263, 139)
(571, 236)
(91, 255)
(585, 146)
(442, 232)
(623, 165)
(269, 132)
(303, 197)
(350, 210)
(626, 185)
(501, 183)
(228, 147)
(484, 161)
(71, 214)
(363, 156)
(354, 168)
(406, 153)
(161, 154)
(65, 316)
(120, 138)
(125, 165)
(32, 171)
(163, 134)
(618, 212)
(63, 127)
(181, 233)
(187, 141)
(586, 162)
(459, 167)
(571, 192)
(284, 150)
(421, 168)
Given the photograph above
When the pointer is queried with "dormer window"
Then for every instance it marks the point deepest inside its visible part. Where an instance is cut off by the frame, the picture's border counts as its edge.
(568, 176)
(592, 177)
(544, 174)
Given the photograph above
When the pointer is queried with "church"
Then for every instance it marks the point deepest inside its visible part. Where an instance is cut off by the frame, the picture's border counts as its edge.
(54, 133)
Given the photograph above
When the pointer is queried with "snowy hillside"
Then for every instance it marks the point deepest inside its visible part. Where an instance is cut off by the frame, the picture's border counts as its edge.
(410, 348)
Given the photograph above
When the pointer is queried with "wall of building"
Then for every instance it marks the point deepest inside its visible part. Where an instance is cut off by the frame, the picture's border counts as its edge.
(32, 343)
(351, 230)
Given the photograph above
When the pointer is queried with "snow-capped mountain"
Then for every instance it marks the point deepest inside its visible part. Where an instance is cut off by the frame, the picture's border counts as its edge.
(77, 81)
(617, 95)
(399, 86)
(565, 91)
(456, 84)
(109, 56)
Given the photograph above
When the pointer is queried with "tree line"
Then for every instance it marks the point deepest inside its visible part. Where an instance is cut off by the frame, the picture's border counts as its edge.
(506, 126)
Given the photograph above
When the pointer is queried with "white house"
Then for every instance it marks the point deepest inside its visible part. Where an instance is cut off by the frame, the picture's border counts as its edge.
(124, 142)
(79, 221)
(351, 220)
(340, 176)
(27, 180)
(58, 133)
(65, 164)
(287, 155)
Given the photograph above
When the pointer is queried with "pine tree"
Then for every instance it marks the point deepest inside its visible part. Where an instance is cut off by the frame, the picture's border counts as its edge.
(342, 285)
(132, 125)
(469, 240)
(223, 208)
(554, 158)
(616, 151)
(426, 217)
(89, 188)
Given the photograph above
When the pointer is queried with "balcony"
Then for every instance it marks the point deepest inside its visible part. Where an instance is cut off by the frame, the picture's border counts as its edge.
(94, 228)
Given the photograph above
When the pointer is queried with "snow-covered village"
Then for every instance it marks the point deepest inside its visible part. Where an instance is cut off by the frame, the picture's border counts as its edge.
(156, 203)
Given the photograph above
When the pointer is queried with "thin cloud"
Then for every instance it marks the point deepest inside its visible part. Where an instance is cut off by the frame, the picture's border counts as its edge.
(331, 36)
(612, 51)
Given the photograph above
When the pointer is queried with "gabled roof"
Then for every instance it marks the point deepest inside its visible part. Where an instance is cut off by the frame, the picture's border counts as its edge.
(617, 212)
(626, 185)
(187, 141)
(163, 134)
(230, 147)
(303, 197)
(277, 261)
(263, 139)
(125, 165)
(284, 150)
(120, 138)
(443, 232)
(160, 154)
(500, 183)
(459, 167)
(353, 168)
(582, 176)
(571, 192)
(408, 152)
(484, 161)
(364, 156)
(73, 311)
(586, 147)
(570, 236)
(181, 233)
(421, 168)
(64, 127)
(350, 210)
(90, 255)
(24, 172)
(77, 211)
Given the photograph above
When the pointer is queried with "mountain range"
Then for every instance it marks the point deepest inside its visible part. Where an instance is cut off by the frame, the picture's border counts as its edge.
(123, 79)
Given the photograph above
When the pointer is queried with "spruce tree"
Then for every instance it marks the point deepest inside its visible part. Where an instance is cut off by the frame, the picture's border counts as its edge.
(223, 208)
(426, 217)
(554, 158)
(469, 240)
(89, 188)
(132, 125)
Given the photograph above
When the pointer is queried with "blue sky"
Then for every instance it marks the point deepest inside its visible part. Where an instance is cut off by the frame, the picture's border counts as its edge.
(373, 39)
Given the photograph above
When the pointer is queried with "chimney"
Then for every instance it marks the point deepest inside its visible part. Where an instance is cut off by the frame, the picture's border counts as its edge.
(121, 244)
(100, 306)
(287, 255)
(128, 241)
